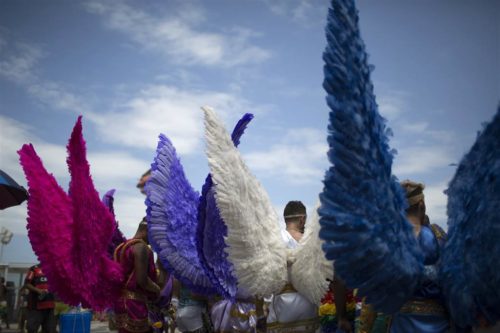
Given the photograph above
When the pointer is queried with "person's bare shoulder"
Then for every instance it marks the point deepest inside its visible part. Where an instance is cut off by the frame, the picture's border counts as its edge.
(140, 249)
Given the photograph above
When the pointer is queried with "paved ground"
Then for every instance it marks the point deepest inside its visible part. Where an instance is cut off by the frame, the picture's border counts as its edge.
(95, 327)
(99, 327)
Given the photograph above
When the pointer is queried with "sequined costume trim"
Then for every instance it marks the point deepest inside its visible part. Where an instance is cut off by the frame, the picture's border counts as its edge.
(438, 232)
(428, 306)
(245, 316)
(128, 294)
(133, 325)
(288, 288)
(300, 326)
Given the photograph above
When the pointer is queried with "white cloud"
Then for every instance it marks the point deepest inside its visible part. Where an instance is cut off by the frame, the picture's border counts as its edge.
(166, 109)
(422, 148)
(179, 37)
(391, 105)
(137, 121)
(20, 64)
(299, 157)
(13, 135)
(109, 169)
(418, 127)
(57, 97)
(129, 209)
(304, 12)
(414, 160)
(14, 219)
(435, 203)
(422, 132)
(424, 151)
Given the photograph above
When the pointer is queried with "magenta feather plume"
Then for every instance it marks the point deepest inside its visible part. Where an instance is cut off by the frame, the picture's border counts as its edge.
(70, 234)
(93, 227)
(50, 226)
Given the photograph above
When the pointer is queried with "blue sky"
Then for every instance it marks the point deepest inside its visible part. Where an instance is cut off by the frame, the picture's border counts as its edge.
(135, 69)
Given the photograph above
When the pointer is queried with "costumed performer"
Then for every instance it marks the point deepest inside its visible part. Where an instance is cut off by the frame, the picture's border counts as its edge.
(137, 261)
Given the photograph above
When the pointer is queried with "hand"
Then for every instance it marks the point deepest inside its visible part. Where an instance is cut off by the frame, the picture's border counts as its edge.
(345, 325)
(42, 292)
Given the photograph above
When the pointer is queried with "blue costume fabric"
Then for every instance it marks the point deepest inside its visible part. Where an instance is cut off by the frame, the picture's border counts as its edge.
(426, 311)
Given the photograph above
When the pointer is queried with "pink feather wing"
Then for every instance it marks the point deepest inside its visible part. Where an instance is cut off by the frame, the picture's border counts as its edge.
(93, 228)
(49, 226)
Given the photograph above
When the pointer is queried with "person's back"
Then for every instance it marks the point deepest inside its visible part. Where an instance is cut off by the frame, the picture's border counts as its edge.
(289, 310)
(425, 312)
(137, 262)
(127, 259)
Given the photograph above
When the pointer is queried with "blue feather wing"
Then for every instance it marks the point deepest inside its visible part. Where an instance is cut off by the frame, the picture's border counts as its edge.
(212, 230)
(362, 205)
(172, 211)
(470, 271)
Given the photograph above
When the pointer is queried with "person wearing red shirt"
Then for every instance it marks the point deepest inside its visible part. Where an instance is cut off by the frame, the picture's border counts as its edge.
(40, 302)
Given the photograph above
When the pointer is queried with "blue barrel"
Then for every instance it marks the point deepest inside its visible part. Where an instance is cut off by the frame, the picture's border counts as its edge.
(78, 322)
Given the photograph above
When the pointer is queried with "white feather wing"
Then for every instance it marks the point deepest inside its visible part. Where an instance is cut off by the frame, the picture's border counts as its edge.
(310, 268)
(255, 247)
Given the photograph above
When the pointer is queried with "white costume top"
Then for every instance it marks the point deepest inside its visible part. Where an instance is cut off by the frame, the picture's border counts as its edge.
(290, 306)
(268, 264)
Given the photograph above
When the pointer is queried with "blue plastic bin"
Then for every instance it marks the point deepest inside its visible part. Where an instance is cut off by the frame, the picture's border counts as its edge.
(78, 322)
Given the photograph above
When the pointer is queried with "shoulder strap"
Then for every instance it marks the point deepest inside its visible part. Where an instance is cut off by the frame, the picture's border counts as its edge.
(438, 232)
(122, 248)
(117, 251)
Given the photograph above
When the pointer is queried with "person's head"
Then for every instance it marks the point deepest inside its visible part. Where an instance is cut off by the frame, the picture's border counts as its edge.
(142, 181)
(295, 215)
(416, 203)
(142, 230)
(2, 280)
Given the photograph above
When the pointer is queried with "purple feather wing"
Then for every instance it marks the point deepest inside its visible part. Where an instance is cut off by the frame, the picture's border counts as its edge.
(172, 215)
(212, 230)
(108, 200)
(117, 238)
